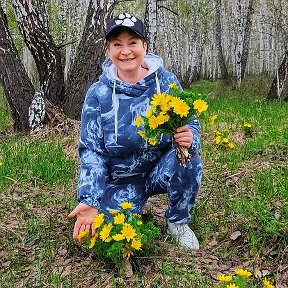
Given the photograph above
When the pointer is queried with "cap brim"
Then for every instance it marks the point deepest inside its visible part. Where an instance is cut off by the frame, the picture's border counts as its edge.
(123, 28)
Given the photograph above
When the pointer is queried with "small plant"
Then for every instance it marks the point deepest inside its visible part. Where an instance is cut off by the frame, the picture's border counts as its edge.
(169, 112)
(241, 279)
(122, 238)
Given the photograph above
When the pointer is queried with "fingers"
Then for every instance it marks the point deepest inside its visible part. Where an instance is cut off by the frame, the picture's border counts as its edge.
(74, 212)
(184, 136)
(76, 229)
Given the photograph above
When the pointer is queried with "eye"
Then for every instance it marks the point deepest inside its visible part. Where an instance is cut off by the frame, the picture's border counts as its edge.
(116, 45)
(133, 43)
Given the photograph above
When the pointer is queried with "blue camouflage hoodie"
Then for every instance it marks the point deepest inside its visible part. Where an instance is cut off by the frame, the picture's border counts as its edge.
(109, 146)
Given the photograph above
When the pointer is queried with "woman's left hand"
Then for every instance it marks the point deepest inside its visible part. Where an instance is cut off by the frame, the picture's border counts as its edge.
(183, 136)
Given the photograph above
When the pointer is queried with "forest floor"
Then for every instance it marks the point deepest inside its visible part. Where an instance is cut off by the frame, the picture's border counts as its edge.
(241, 215)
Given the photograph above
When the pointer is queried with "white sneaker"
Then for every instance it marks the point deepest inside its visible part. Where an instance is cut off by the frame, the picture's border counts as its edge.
(183, 235)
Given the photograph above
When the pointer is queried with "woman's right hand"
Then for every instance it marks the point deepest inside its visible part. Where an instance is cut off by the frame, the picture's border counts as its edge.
(85, 216)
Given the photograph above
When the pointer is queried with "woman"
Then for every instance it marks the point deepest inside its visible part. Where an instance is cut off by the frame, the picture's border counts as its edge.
(116, 163)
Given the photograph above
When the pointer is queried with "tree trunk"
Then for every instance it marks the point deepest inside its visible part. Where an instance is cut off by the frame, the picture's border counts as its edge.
(279, 80)
(90, 54)
(18, 88)
(239, 45)
(45, 53)
(246, 40)
(218, 30)
(151, 24)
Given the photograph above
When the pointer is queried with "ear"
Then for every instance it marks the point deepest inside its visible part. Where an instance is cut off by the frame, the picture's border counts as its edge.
(145, 45)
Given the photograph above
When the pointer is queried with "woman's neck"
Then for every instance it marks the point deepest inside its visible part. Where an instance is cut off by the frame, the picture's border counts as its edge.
(132, 77)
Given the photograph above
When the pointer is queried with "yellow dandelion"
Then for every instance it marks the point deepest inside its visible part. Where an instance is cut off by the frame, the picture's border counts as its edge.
(231, 145)
(136, 244)
(180, 107)
(105, 232)
(218, 139)
(127, 252)
(142, 134)
(212, 119)
(232, 286)
(225, 140)
(149, 112)
(267, 284)
(158, 99)
(114, 212)
(126, 205)
(98, 220)
(152, 141)
(224, 278)
(128, 231)
(163, 118)
(243, 273)
(108, 239)
(200, 105)
(119, 219)
(248, 125)
(138, 121)
(153, 122)
(217, 133)
(93, 240)
(173, 86)
(118, 237)
(83, 234)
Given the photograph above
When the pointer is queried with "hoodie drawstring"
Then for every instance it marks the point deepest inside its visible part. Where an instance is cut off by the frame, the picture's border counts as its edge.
(157, 83)
(115, 104)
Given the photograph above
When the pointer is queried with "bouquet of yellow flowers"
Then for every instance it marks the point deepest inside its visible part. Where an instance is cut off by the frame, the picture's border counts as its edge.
(120, 238)
(168, 112)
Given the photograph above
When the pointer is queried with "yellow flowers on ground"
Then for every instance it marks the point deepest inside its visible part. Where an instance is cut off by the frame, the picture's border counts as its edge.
(212, 119)
(126, 205)
(232, 285)
(128, 232)
(241, 280)
(267, 284)
(119, 218)
(82, 234)
(200, 105)
(224, 278)
(243, 272)
(120, 235)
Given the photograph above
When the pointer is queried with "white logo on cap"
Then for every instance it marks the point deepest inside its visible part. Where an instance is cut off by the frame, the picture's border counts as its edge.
(126, 20)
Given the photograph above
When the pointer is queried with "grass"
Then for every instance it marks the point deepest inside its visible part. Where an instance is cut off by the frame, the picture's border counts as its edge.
(244, 193)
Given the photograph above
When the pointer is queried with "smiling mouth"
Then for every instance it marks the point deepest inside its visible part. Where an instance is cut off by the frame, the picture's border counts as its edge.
(127, 60)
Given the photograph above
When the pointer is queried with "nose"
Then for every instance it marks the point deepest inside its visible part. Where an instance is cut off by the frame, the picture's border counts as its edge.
(125, 50)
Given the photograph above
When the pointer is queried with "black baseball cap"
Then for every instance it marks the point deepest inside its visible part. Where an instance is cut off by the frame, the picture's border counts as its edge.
(126, 21)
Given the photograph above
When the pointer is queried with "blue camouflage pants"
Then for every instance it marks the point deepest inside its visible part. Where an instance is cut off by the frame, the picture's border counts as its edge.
(180, 183)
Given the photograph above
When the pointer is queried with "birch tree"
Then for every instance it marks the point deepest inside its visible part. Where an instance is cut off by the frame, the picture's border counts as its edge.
(41, 45)
(151, 24)
(18, 88)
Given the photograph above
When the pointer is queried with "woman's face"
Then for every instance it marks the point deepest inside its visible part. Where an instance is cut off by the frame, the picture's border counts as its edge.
(127, 52)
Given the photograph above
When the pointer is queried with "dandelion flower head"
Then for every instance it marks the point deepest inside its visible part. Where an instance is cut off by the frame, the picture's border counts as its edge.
(180, 107)
(138, 121)
(119, 218)
(267, 284)
(98, 220)
(200, 105)
(128, 232)
(136, 244)
(126, 205)
(224, 278)
(243, 273)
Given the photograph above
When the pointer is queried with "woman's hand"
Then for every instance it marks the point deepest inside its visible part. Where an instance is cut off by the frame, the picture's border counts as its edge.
(184, 136)
(85, 216)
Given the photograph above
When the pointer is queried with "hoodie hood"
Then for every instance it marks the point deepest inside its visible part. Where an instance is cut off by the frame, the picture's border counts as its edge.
(109, 77)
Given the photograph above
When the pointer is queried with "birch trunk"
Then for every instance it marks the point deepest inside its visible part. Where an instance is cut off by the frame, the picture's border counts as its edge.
(279, 80)
(18, 88)
(151, 24)
(45, 53)
(218, 30)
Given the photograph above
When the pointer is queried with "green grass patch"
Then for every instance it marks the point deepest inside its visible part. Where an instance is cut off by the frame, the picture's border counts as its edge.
(34, 162)
(5, 115)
